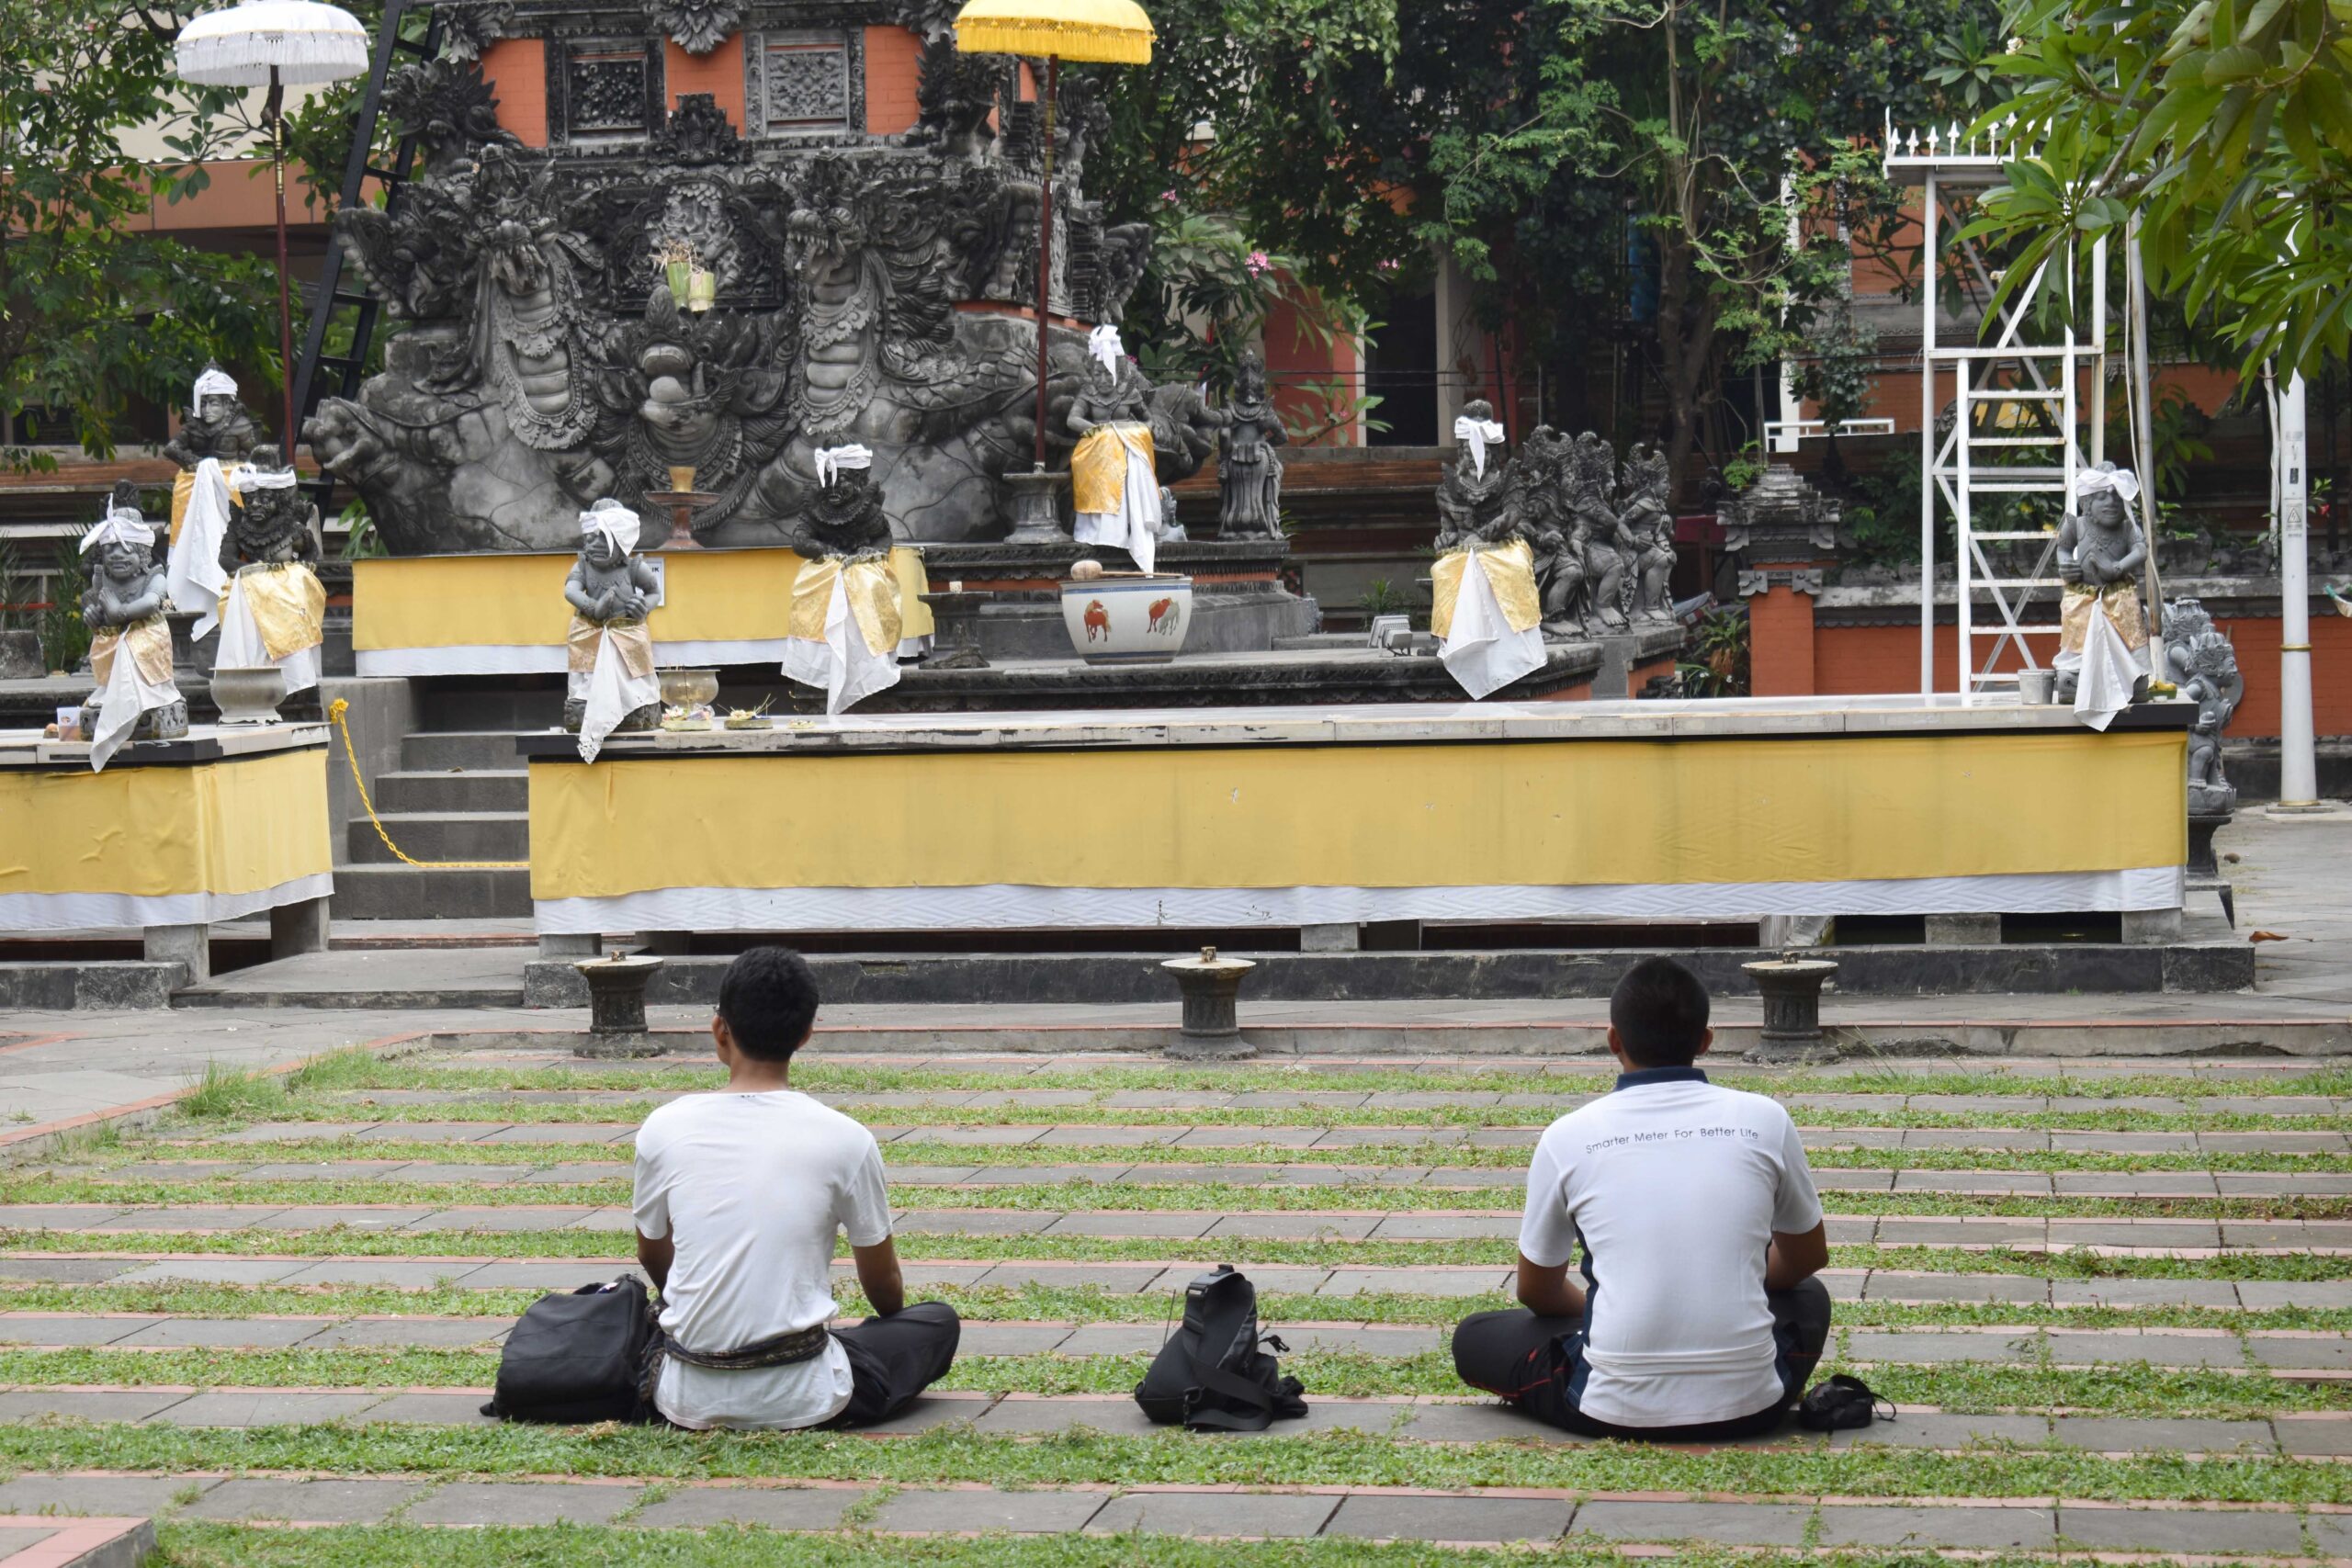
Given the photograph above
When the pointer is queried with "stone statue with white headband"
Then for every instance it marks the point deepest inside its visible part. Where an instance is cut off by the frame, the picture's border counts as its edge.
(1484, 607)
(1113, 473)
(131, 653)
(273, 608)
(213, 446)
(2102, 660)
(848, 612)
(609, 685)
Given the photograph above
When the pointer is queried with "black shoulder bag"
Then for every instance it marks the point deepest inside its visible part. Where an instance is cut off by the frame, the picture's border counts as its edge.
(577, 1357)
(1211, 1374)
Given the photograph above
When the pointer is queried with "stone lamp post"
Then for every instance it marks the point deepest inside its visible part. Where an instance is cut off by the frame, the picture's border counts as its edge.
(1212, 1029)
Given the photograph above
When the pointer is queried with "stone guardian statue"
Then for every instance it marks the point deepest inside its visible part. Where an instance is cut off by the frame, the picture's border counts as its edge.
(2100, 552)
(1249, 475)
(610, 685)
(274, 609)
(131, 653)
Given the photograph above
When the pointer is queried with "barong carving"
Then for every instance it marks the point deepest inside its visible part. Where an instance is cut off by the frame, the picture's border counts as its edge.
(130, 652)
(863, 291)
(2203, 666)
(609, 684)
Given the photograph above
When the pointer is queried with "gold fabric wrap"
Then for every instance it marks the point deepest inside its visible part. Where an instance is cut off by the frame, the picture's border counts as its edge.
(631, 641)
(1511, 571)
(150, 647)
(184, 486)
(2120, 601)
(1098, 469)
(289, 603)
(873, 600)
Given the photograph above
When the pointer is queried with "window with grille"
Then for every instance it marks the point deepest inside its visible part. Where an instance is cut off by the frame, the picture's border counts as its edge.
(808, 83)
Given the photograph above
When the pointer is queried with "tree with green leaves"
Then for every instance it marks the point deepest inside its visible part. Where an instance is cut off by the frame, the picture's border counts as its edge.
(94, 308)
(2225, 126)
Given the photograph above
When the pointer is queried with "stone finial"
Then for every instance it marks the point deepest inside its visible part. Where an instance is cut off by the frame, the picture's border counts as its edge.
(1781, 517)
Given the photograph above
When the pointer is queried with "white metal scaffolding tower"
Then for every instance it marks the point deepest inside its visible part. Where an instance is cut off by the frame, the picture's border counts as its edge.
(2024, 413)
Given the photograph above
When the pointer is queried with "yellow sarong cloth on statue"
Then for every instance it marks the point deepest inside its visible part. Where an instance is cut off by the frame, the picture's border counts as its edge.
(2118, 601)
(632, 643)
(1511, 570)
(184, 486)
(288, 605)
(915, 615)
(873, 590)
(1098, 467)
(150, 642)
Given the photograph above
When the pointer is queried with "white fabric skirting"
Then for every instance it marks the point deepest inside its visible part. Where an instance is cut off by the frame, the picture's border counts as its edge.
(1481, 652)
(554, 659)
(1135, 526)
(1007, 907)
(841, 666)
(242, 648)
(118, 911)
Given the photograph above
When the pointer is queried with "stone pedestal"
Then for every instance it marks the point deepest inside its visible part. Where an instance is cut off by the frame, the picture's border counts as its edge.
(1346, 937)
(2145, 927)
(1212, 1028)
(297, 928)
(956, 629)
(1791, 991)
(190, 947)
(616, 1006)
(1795, 930)
(1036, 511)
(2202, 826)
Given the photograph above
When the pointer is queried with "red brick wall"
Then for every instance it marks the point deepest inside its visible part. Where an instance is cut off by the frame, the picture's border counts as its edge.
(891, 55)
(1781, 644)
(517, 70)
(719, 74)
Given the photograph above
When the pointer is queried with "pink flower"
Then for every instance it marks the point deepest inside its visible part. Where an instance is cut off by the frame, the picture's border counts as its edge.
(1258, 262)
(1167, 195)
(1388, 267)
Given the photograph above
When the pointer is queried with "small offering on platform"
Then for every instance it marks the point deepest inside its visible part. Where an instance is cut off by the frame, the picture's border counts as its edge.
(847, 611)
(610, 684)
(131, 653)
(274, 610)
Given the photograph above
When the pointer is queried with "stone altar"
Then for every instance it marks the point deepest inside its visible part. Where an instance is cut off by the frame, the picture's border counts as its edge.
(866, 291)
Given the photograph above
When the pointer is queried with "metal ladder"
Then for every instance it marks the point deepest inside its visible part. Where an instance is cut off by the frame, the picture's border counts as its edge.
(1994, 418)
(320, 375)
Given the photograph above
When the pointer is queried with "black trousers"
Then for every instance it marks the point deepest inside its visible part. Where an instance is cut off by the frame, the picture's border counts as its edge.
(894, 1359)
(1532, 1362)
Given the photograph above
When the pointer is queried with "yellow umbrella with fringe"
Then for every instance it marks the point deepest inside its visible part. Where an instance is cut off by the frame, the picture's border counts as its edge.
(1111, 32)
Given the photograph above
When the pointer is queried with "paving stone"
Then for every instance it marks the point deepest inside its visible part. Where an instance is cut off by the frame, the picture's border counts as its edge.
(119, 1496)
(1854, 1181)
(2185, 1435)
(1445, 1227)
(2143, 1184)
(2300, 1184)
(969, 1222)
(522, 1502)
(1879, 1345)
(57, 1216)
(543, 1274)
(2125, 1142)
(2332, 1533)
(2001, 1138)
(1411, 1282)
(1295, 1227)
(2144, 1292)
(207, 1271)
(2032, 1181)
(2273, 1143)
(2028, 1529)
(2271, 1295)
(1211, 1514)
(1116, 1418)
(2157, 1350)
(1934, 1430)
(932, 1410)
(128, 1404)
(988, 1137)
(319, 1502)
(1885, 1286)
(358, 1219)
(252, 1331)
(432, 1410)
(403, 1272)
(2179, 1529)
(963, 1510)
(1850, 1231)
(1906, 1230)
(194, 1217)
(2286, 1233)
(1476, 1421)
(1247, 1137)
(264, 1409)
(290, 1131)
(2288, 1351)
(516, 1221)
(1373, 1137)
(1736, 1524)
(775, 1507)
(1020, 1339)
(1103, 1137)
(68, 1330)
(1188, 1227)
(2146, 1233)
(1116, 1279)
(2318, 1437)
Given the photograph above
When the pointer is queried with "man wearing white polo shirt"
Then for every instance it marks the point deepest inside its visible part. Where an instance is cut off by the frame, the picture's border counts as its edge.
(1699, 1317)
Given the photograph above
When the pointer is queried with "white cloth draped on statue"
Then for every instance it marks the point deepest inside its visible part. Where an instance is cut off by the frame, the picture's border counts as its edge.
(1134, 525)
(1481, 651)
(136, 677)
(2110, 670)
(194, 576)
(241, 646)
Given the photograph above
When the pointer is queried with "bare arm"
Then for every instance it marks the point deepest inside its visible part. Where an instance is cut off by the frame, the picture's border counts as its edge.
(878, 1277)
(1548, 1291)
(1791, 1259)
(655, 1258)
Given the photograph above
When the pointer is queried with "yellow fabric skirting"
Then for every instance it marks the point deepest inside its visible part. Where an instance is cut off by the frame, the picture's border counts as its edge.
(289, 603)
(630, 640)
(1735, 810)
(1098, 467)
(874, 591)
(2118, 601)
(236, 826)
(1511, 568)
(151, 646)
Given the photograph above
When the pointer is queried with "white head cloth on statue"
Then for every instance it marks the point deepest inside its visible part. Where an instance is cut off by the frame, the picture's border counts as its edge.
(831, 460)
(613, 521)
(1103, 344)
(261, 479)
(119, 525)
(2122, 481)
(214, 382)
(1477, 433)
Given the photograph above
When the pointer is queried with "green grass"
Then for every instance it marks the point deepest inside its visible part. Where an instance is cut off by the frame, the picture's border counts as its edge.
(957, 1454)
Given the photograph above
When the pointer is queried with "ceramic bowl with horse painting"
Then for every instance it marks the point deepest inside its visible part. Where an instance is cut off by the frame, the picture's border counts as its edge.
(1128, 620)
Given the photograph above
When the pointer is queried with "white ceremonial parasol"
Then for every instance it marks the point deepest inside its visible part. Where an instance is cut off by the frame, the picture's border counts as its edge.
(274, 44)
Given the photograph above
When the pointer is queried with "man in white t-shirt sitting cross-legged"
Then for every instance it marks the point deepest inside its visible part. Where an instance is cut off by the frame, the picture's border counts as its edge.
(1699, 1318)
(739, 1195)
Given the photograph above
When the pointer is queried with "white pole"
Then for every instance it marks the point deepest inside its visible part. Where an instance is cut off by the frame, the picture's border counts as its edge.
(2143, 442)
(1928, 442)
(2298, 769)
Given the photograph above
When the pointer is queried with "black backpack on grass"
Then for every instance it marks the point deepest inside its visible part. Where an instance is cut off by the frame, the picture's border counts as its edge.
(577, 1357)
(1211, 1375)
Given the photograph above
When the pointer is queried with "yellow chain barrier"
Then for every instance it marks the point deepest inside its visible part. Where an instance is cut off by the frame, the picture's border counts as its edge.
(337, 710)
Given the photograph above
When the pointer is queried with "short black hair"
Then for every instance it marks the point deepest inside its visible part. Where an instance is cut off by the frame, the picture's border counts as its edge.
(768, 1000)
(1659, 1011)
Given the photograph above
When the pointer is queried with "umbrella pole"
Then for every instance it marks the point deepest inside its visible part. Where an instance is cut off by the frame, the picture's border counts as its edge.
(1044, 246)
(288, 436)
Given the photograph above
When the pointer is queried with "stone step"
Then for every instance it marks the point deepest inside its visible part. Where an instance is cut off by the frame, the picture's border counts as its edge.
(453, 790)
(412, 893)
(440, 836)
(490, 750)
